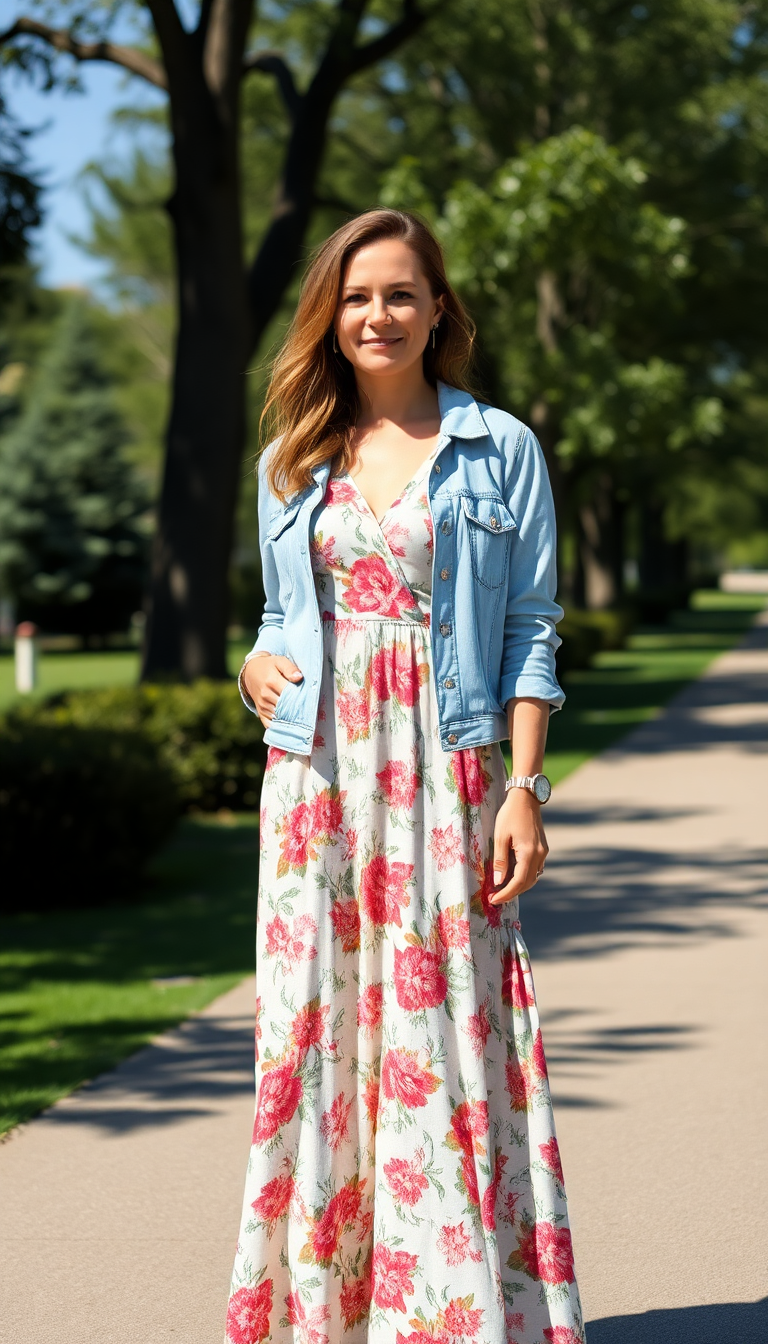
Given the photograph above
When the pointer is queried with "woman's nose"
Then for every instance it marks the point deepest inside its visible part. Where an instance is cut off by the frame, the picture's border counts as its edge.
(379, 312)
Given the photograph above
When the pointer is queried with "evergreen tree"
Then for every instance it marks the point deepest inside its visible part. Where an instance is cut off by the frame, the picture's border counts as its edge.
(72, 542)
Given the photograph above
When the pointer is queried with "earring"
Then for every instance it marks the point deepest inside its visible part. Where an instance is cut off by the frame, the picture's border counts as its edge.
(335, 351)
(434, 329)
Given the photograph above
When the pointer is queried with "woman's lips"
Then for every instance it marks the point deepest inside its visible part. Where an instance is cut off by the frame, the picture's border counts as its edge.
(383, 340)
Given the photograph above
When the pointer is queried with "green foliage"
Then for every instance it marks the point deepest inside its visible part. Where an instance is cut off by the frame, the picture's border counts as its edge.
(72, 539)
(211, 746)
(19, 200)
(81, 811)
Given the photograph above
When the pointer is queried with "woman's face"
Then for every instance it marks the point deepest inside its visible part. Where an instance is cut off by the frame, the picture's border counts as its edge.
(386, 309)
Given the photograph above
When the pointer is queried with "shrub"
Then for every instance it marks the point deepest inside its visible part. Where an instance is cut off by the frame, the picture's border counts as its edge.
(585, 633)
(208, 742)
(81, 811)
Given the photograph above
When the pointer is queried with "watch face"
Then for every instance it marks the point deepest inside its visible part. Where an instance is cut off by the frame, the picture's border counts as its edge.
(542, 788)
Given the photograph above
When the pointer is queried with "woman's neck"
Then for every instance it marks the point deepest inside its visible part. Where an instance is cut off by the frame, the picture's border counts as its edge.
(403, 399)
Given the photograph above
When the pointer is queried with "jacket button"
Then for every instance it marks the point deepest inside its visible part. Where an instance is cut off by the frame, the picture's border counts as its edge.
(445, 573)
(438, 468)
(449, 683)
(452, 738)
(494, 522)
(445, 629)
(446, 526)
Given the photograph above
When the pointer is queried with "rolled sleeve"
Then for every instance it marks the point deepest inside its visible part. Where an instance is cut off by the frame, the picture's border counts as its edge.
(530, 638)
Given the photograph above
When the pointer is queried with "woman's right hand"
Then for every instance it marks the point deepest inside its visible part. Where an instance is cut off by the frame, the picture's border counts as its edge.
(264, 677)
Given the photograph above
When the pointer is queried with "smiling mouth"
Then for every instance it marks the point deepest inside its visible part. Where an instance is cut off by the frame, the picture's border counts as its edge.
(382, 340)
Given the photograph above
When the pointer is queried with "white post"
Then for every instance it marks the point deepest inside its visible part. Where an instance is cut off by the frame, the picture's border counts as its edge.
(26, 657)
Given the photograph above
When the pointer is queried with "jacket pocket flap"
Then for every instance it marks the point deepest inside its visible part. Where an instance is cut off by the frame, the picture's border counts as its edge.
(488, 511)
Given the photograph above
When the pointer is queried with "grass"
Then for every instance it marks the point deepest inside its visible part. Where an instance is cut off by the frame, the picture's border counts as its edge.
(75, 671)
(78, 991)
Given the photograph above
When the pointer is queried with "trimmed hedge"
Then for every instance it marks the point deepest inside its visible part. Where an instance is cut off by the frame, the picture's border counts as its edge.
(208, 743)
(81, 811)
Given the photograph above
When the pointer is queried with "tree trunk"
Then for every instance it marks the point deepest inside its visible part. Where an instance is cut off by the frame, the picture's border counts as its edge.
(188, 604)
(663, 563)
(601, 548)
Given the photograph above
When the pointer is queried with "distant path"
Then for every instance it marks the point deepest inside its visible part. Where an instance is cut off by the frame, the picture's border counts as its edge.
(120, 1205)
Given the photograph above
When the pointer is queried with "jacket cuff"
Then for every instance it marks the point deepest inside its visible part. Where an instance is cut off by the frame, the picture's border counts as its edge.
(244, 696)
(270, 639)
(516, 686)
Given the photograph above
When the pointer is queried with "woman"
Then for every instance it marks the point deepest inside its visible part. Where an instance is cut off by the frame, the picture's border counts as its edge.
(404, 1183)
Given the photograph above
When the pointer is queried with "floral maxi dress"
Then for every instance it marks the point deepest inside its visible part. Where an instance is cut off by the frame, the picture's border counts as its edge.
(404, 1182)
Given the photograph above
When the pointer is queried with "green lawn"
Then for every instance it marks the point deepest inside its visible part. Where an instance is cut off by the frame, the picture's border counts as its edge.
(77, 991)
(74, 671)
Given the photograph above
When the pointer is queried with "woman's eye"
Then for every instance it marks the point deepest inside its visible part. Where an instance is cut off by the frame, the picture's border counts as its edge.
(354, 298)
(402, 294)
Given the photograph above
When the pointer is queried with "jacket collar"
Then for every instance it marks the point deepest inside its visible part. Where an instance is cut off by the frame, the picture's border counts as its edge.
(460, 418)
(459, 414)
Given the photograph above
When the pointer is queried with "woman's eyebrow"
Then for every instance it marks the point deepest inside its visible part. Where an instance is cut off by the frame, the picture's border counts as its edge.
(393, 284)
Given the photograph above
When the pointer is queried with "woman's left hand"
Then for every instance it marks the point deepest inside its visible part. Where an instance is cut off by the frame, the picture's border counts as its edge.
(519, 846)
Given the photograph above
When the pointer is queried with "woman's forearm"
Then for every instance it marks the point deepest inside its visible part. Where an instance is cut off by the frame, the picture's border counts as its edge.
(528, 723)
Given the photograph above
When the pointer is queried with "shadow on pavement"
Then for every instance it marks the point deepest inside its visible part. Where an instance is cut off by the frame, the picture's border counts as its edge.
(602, 899)
(726, 1323)
(206, 1061)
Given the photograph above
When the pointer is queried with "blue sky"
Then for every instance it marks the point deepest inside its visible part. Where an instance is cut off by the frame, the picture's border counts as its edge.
(77, 130)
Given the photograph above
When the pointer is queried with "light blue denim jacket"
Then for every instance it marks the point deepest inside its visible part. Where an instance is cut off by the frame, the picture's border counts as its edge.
(493, 570)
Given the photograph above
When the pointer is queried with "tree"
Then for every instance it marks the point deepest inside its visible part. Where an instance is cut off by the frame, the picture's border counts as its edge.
(19, 200)
(72, 542)
(681, 90)
(224, 306)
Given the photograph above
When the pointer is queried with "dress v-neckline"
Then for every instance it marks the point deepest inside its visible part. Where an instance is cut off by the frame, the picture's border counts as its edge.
(414, 478)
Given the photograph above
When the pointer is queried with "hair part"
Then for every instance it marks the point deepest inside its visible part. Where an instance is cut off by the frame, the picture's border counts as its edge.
(312, 402)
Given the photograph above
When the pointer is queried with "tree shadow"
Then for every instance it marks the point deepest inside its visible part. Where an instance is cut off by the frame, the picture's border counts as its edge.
(597, 901)
(207, 1060)
(725, 1323)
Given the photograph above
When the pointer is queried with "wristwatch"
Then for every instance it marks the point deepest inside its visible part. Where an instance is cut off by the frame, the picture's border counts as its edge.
(538, 785)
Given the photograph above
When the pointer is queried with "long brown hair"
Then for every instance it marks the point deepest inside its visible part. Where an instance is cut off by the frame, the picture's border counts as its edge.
(312, 401)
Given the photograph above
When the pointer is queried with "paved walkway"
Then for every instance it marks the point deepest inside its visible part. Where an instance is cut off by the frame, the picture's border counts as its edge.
(120, 1205)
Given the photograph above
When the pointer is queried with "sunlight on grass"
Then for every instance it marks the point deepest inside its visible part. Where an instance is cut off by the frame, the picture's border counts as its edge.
(77, 671)
(76, 989)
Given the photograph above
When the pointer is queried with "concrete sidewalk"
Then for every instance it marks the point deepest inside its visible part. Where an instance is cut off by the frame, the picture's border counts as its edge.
(650, 944)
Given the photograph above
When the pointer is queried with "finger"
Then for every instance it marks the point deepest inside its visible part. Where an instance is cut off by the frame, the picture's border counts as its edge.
(288, 668)
(501, 848)
(522, 877)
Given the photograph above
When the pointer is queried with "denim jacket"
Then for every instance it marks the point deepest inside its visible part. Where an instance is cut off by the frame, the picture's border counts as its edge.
(494, 580)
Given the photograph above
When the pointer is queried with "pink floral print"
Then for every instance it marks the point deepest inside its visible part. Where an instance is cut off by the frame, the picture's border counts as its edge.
(405, 1183)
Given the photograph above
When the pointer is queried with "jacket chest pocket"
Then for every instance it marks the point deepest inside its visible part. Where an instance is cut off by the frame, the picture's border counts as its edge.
(490, 526)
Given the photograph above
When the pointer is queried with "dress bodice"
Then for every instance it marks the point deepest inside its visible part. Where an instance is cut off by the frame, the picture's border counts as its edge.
(374, 569)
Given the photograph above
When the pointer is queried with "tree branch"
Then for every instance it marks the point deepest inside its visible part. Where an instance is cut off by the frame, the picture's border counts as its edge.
(335, 203)
(128, 57)
(376, 50)
(174, 40)
(272, 63)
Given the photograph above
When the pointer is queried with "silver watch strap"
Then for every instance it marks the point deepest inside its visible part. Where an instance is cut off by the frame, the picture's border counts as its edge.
(519, 782)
